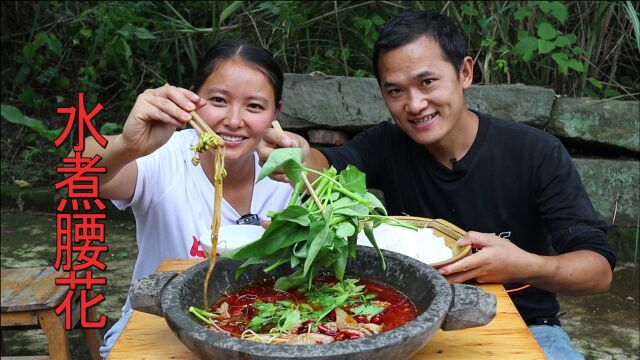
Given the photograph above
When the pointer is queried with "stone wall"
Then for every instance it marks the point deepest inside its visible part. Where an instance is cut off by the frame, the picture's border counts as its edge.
(602, 135)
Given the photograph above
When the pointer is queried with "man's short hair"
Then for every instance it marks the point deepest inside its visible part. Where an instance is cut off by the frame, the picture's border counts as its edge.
(412, 24)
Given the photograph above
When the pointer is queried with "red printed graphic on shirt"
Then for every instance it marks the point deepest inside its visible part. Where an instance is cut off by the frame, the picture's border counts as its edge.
(196, 248)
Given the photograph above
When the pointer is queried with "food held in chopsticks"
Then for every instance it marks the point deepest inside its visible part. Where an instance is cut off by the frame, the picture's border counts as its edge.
(209, 140)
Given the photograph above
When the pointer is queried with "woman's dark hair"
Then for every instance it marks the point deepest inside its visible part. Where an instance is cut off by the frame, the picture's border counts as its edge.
(412, 24)
(250, 53)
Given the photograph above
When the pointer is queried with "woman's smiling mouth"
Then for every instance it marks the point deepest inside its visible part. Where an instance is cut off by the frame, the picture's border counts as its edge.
(232, 138)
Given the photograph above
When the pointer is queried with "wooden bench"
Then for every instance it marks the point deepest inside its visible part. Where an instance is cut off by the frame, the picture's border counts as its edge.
(29, 297)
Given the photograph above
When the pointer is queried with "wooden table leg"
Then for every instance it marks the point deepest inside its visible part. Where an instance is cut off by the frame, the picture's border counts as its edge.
(92, 336)
(56, 335)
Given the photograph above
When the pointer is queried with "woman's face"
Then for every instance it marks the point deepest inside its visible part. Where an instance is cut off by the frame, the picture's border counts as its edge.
(240, 106)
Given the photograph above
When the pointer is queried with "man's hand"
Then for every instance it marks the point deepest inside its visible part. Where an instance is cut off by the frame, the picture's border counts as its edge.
(576, 273)
(499, 261)
(274, 139)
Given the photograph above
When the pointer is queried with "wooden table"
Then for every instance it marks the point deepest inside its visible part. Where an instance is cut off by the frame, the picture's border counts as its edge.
(29, 297)
(505, 337)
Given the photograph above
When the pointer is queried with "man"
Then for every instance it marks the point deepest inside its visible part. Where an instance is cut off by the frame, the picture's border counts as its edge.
(442, 160)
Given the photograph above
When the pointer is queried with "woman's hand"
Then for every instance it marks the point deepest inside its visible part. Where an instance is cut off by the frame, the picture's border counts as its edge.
(155, 116)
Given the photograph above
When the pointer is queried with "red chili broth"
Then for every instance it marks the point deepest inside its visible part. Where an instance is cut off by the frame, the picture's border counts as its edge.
(397, 314)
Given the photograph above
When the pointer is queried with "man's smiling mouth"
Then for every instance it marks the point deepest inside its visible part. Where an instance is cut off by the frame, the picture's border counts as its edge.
(424, 120)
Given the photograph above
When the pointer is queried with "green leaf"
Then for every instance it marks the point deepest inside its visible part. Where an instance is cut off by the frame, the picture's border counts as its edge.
(289, 158)
(54, 44)
(271, 6)
(562, 59)
(291, 319)
(353, 179)
(367, 310)
(377, 20)
(635, 22)
(562, 40)
(488, 43)
(546, 31)
(375, 203)
(468, 10)
(558, 10)
(29, 50)
(322, 233)
(353, 245)
(341, 264)
(577, 51)
(523, 12)
(522, 34)
(294, 213)
(86, 33)
(609, 93)
(576, 65)
(545, 46)
(356, 210)
(597, 84)
(345, 229)
(15, 116)
(290, 282)
(368, 231)
(229, 10)
(278, 235)
(544, 6)
(143, 33)
(526, 47)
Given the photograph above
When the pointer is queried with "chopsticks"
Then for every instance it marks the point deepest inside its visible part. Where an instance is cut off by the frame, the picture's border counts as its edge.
(197, 123)
(307, 184)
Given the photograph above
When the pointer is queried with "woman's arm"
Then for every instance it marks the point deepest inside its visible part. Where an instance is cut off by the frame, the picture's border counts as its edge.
(152, 120)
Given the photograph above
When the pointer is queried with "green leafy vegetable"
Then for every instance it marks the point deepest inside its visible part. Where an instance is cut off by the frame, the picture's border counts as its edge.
(308, 237)
(367, 310)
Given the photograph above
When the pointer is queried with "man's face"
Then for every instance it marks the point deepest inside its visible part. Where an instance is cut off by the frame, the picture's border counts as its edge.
(423, 91)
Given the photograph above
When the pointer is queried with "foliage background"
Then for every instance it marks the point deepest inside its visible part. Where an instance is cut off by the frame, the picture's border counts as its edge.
(112, 51)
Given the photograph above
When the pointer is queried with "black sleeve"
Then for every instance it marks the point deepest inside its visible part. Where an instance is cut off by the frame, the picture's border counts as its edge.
(365, 151)
(565, 207)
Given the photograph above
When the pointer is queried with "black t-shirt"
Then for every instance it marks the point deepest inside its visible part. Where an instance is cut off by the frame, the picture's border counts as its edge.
(515, 181)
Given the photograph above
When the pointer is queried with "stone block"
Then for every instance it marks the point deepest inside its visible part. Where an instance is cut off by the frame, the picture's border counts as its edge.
(354, 104)
(609, 122)
(331, 102)
(521, 103)
(612, 186)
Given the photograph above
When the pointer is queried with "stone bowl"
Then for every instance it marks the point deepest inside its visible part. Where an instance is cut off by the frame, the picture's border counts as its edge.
(171, 294)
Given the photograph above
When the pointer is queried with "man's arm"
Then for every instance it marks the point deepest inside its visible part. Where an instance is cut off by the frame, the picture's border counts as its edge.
(576, 273)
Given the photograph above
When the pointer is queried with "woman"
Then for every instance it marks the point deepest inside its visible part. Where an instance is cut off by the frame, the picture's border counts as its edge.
(237, 91)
